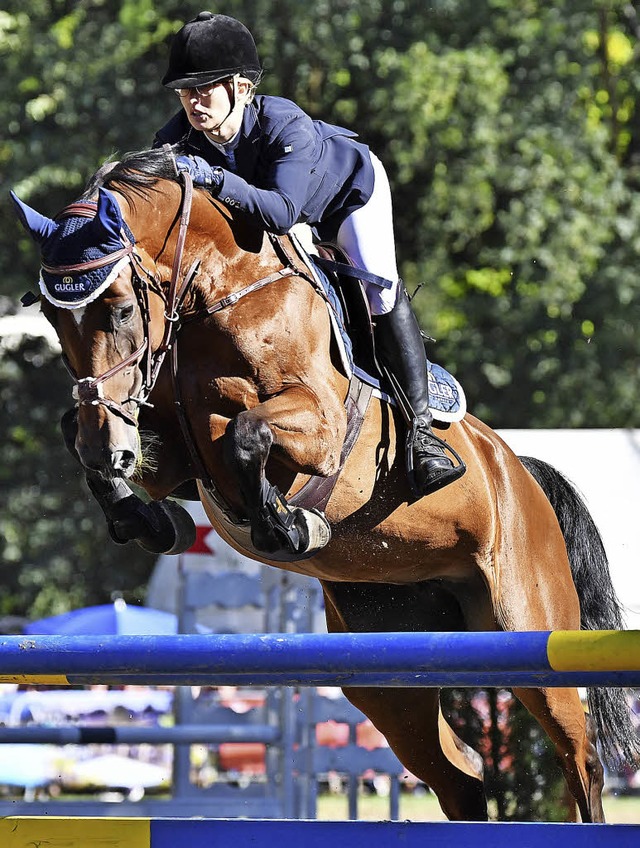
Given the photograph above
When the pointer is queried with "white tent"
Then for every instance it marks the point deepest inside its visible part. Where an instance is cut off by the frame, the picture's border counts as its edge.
(29, 322)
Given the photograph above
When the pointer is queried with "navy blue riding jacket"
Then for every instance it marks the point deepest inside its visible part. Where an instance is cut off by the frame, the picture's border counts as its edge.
(283, 167)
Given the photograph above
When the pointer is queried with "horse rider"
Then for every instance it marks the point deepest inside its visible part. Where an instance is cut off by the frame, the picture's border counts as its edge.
(263, 156)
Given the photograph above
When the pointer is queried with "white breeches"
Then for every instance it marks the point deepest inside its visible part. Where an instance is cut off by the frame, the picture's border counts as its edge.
(367, 237)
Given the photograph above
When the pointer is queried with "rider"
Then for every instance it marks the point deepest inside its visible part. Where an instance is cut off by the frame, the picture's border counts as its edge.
(264, 156)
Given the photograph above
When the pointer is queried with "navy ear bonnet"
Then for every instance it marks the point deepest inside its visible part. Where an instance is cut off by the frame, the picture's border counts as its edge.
(83, 249)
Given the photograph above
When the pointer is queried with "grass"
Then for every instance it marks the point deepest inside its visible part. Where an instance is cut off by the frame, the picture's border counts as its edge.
(618, 809)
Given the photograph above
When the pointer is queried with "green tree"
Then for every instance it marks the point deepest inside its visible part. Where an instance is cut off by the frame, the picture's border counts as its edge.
(513, 202)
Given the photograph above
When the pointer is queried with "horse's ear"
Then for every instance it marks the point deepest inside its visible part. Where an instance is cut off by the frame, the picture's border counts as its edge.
(108, 214)
(38, 226)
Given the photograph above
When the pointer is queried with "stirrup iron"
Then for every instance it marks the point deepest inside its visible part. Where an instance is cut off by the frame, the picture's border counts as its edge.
(443, 479)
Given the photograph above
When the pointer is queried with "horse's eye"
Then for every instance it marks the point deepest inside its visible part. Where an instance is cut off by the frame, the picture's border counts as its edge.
(122, 314)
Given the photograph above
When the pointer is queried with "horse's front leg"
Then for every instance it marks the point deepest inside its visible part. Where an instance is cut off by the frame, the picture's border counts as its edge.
(158, 526)
(296, 427)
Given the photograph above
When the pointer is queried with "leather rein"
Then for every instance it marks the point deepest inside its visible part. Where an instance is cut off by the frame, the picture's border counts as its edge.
(90, 390)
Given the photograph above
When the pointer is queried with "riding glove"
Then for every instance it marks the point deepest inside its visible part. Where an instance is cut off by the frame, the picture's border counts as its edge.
(202, 173)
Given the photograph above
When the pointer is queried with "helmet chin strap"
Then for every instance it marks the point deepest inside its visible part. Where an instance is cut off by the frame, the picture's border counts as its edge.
(231, 90)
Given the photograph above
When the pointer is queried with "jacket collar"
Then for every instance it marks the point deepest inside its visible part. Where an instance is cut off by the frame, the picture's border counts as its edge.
(250, 130)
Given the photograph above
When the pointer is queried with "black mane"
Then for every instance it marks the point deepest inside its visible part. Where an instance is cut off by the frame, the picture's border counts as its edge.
(137, 170)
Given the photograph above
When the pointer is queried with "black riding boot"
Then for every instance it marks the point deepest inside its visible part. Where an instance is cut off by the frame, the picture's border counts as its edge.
(401, 351)
(158, 526)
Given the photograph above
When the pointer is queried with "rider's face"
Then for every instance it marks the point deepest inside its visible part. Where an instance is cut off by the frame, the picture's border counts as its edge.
(208, 108)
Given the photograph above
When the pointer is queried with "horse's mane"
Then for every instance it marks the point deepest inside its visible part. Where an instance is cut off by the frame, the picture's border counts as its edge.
(138, 171)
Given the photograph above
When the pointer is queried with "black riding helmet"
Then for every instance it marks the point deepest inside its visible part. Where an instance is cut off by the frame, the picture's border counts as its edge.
(210, 48)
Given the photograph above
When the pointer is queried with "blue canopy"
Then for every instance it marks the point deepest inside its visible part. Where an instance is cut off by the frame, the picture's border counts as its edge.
(118, 618)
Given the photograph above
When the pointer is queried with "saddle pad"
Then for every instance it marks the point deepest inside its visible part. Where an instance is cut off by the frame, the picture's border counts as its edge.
(447, 400)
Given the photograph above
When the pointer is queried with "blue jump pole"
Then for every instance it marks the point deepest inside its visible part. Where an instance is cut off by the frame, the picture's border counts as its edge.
(167, 833)
(540, 658)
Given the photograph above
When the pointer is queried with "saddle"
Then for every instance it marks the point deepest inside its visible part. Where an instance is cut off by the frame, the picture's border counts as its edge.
(340, 283)
(347, 281)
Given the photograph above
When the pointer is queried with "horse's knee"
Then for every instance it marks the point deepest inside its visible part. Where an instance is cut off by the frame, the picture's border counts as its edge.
(248, 440)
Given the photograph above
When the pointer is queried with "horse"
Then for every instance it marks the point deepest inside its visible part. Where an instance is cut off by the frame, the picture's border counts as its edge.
(209, 341)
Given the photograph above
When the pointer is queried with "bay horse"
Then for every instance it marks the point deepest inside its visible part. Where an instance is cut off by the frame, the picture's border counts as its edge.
(208, 334)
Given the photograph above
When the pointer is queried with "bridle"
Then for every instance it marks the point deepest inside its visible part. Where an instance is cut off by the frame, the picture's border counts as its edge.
(89, 391)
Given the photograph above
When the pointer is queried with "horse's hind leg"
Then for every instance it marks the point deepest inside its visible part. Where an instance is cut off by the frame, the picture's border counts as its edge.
(561, 715)
(425, 744)
(537, 593)
(411, 719)
(559, 711)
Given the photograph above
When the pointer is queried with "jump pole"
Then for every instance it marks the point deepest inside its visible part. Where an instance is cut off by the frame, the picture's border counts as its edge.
(26, 832)
(537, 658)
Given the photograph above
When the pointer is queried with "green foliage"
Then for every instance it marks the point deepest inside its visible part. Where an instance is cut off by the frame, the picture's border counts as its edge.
(511, 198)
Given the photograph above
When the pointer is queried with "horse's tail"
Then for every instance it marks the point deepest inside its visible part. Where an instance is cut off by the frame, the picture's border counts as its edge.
(599, 605)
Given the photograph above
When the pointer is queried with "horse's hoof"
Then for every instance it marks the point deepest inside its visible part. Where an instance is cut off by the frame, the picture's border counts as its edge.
(313, 534)
(183, 526)
(259, 541)
(318, 530)
(159, 527)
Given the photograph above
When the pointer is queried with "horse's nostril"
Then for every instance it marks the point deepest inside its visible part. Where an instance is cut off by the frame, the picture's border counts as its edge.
(123, 461)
